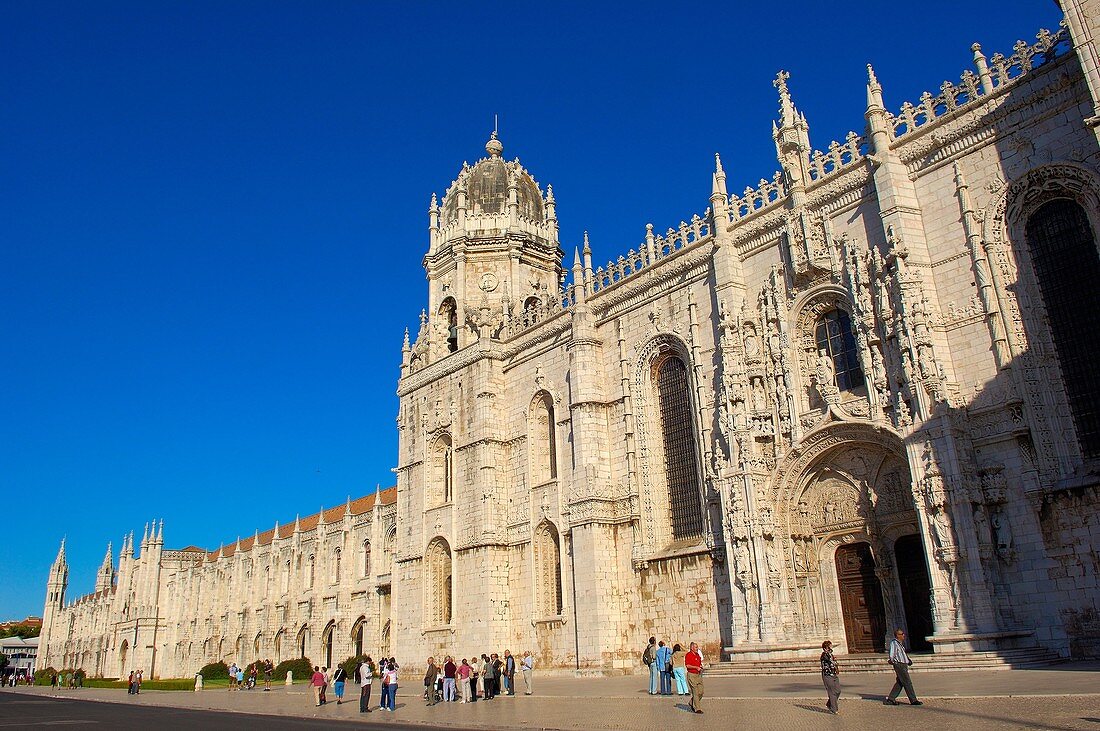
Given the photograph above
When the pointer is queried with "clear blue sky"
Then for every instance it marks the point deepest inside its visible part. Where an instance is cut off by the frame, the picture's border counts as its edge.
(212, 216)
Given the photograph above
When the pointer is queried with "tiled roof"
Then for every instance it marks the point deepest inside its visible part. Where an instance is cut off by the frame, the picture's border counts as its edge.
(330, 515)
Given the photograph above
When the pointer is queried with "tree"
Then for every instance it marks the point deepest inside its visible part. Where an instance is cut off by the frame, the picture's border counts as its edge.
(3, 661)
(20, 630)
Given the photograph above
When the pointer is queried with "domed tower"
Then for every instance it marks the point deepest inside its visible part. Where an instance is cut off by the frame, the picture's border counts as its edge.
(493, 249)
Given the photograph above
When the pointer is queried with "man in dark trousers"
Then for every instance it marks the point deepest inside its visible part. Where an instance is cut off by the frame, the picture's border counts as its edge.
(509, 672)
(899, 658)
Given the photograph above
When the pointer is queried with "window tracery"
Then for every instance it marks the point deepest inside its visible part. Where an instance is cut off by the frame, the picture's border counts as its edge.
(542, 447)
(443, 468)
(439, 582)
(547, 562)
(835, 339)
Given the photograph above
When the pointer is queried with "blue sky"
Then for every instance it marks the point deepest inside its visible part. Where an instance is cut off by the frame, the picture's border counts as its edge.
(214, 214)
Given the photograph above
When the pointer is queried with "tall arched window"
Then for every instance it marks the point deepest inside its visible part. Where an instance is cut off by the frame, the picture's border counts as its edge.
(1063, 251)
(267, 581)
(388, 547)
(834, 336)
(337, 557)
(312, 568)
(547, 560)
(439, 582)
(541, 447)
(681, 463)
(326, 643)
(449, 311)
(286, 576)
(364, 559)
(443, 468)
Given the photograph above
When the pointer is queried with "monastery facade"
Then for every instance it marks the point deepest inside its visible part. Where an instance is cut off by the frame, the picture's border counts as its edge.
(854, 397)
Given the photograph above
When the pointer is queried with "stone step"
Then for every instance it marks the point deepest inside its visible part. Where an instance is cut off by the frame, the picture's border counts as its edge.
(876, 663)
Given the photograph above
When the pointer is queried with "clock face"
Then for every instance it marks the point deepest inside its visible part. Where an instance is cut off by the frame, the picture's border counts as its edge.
(488, 282)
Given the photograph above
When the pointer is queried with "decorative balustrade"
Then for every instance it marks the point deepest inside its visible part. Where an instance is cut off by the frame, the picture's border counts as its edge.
(752, 200)
(1000, 71)
(539, 310)
(653, 249)
(838, 156)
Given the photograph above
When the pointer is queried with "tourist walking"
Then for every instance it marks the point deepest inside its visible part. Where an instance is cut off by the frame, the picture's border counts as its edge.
(679, 669)
(649, 659)
(899, 658)
(694, 663)
(830, 673)
(140, 677)
(527, 667)
(449, 672)
(364, 675)
(664, 666)
(317, 683)
(338, 679)
(269, 670)
(130, 683)
(509, 672)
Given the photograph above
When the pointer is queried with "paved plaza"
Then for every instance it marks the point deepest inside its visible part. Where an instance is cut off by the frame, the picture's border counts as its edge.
(1060, 697)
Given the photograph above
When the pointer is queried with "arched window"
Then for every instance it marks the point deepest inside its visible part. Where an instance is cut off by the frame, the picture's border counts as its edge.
(834, 336)
(279, 646)
(337, 557)
(389, 547)
(449, 311)
(357, 634)
(681, 464)
(303, 640)
(326, 643)
(267, 581)
(1063, 251)
(364, 559)
(547, 555)
(443, 468)
(541, 447)
(439, 582)
(286, 576)
(312, 570)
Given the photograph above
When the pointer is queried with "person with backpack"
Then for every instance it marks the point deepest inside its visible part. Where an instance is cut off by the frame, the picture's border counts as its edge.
(649, 659)
(664, 666)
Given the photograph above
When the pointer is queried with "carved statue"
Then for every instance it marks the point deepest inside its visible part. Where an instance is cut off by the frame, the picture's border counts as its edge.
(1002, 534)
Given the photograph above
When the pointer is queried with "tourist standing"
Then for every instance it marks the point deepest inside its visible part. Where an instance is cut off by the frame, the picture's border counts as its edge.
(338, 679)
(463, 674)
(694, 663)
(498, 673)
(233, 676)
(137, 680)
(527, 666)
(649, 659)
(240, 679)
(391, 685)
(317, 682)
(364, 675)
(509, 673)
(269, 670)
(679, 669)
(129, 683)
(487, 677)
(830, 673)
(429, 681)
(664, 666)
(449, 671)
(899, 658)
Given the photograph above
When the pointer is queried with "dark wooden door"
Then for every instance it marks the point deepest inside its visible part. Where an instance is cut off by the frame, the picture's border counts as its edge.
(916, 591)
(860, 599)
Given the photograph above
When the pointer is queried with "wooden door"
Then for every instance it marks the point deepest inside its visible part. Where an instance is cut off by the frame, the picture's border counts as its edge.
(860, 599)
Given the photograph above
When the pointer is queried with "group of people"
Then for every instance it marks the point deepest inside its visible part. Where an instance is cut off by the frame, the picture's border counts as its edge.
(668, 663)
(899, 660)
(133, 684)
(487, 677)
(60, 681)
(246, 679)
(464, 681)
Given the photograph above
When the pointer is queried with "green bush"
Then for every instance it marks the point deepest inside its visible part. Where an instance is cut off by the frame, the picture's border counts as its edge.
(214, 671)
(351, 664)
(42, 677)
(166, 684)
(301, 667)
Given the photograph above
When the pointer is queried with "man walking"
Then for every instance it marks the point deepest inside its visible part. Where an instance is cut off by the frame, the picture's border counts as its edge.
(694, 662)
(901, 662)
(649, 659)
(527, 665)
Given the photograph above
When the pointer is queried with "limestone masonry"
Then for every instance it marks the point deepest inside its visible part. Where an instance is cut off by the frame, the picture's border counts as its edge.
(857, 396)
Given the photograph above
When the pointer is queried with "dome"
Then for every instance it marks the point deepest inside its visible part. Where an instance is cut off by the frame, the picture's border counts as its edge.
(487, 187)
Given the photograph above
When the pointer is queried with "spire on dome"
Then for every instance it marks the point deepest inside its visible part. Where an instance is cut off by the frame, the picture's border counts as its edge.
(60, 553)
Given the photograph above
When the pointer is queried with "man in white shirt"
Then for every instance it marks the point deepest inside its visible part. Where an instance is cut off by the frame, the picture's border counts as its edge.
(899, 658)
(527, 666)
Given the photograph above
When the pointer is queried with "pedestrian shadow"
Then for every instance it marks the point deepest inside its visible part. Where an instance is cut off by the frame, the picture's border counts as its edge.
(873, 697)
(1090, 719)
(815, 709)
(685, 707)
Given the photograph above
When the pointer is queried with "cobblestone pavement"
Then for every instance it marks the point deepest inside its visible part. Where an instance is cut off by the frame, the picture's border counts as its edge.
(1066, 697)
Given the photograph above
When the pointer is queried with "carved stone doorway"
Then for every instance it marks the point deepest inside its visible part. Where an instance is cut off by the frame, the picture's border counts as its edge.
(860, 599)
(916, 591)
